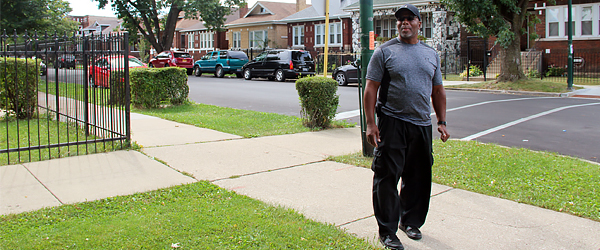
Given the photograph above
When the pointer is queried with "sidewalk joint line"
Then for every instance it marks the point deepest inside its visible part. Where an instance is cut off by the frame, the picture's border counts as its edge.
(443, 192)
(44, 185)
(265, 171)
(357, 220)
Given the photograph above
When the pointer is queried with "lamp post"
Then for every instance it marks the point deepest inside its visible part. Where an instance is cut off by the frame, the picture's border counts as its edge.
(366, 51)
(570, 58)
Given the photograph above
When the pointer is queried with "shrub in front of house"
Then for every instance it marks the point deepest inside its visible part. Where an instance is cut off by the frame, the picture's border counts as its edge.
(18, 86)
(153, 87)
(318, 100)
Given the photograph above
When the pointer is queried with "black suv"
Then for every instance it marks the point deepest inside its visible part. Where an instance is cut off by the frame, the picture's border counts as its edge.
(66, 61)
(280, 64)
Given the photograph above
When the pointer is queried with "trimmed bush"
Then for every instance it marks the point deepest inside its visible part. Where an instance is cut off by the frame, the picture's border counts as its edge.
(151, 87)
(555, 71)
(18, 86)
(318, 99)
(473, 71)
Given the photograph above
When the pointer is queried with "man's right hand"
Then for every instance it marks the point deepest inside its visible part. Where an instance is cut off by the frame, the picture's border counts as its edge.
(373, 134)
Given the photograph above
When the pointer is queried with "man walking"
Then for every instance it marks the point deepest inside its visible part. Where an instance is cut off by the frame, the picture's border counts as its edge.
(406, 72)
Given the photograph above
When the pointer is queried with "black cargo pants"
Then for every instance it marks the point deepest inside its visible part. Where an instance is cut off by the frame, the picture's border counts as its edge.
(405, 151)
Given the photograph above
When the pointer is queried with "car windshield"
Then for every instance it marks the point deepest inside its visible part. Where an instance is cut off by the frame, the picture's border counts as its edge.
(301, 56)
(119, 63)
(238, 55)
(182, 55)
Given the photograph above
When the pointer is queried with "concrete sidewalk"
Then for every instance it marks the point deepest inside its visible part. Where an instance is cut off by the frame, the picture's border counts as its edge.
(286, 170)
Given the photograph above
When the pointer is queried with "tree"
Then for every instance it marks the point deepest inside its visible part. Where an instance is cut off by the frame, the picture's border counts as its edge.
(36, 15)
(155, 20)
(503, 19)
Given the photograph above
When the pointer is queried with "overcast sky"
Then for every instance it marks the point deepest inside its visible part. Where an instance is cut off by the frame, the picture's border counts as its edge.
(87, 7)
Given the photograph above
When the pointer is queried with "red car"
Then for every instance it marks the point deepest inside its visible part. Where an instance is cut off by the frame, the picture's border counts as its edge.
(173, 59)
(101, 69)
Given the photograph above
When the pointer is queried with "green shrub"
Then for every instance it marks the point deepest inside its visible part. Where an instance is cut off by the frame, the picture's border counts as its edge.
(18, 86)
(473, 71)
(318, 99)
(533, 74)
(151, 87)
(555, 71)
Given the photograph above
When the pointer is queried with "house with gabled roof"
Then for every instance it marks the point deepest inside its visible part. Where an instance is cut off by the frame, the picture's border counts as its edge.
(198, 40)
(306, 28)
(261, 27)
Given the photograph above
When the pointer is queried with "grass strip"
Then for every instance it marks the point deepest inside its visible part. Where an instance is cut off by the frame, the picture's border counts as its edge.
(542, 179)
(533, 85)
(245, 123)
(194, 216)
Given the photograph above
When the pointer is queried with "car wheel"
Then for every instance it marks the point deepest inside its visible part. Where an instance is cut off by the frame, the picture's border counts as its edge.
(150, 65)
(279, 75)
(340, 77)
(197, 71)
(238, 75)
(91, 82)
(219, 72)
(247, 74)
(190, 72)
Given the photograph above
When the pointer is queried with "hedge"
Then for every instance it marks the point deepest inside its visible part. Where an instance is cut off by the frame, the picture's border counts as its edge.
(152, 87)
(18, 86)
(318, 99)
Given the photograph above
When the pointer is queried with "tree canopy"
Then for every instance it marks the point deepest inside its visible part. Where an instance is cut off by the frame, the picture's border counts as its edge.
(155, 20)
(503, 19)
(36, 15)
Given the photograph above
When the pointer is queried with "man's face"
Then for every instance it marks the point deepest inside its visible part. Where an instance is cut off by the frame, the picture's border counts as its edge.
(408, 25)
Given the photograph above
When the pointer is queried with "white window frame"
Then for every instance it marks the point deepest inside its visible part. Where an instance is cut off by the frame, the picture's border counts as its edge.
(236, 40)
(335, 32)
(190, 40)
(427, 25)
(577, 11)
(206, 40)
(257, 38)
(298, 35)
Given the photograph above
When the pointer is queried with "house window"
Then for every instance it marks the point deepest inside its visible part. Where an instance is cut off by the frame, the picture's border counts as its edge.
(386, 29)
(426, 25)
(298, 35)
(335, 34)
(584, 21)
(237, 40)
(206, 40)
(258, 39)
(191, 40)
(378, 27)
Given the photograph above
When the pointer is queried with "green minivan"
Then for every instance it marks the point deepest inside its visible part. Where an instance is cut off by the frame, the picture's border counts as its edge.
(221, 62)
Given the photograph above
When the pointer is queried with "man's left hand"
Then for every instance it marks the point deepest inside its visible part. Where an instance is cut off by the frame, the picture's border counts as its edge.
(444, 133)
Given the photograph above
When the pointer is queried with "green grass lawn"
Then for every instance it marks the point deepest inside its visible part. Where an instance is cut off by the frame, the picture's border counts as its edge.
(194, 216)
(542, 179)
(98, 96)
(45, 132)
(244, 123)
(534, 85)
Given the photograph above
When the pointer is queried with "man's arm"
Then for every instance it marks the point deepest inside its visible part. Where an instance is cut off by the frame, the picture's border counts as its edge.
(370, 99)
(438, 99)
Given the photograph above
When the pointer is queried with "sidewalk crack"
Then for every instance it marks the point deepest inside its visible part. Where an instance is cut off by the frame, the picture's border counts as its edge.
(44, 185)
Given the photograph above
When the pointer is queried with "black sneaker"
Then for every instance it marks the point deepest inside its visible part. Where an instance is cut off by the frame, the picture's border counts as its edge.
(391, 242)
(412, 232)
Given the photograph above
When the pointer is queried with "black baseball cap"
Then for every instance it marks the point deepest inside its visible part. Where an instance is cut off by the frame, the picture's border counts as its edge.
(409, 7)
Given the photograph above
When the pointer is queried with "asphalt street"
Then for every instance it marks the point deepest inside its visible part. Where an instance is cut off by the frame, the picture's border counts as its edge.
(568, 126)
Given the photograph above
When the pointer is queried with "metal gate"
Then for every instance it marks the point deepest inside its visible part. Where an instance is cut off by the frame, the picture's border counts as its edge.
(62, 96)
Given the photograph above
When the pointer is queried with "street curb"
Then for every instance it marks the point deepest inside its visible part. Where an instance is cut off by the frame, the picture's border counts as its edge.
(514, 92)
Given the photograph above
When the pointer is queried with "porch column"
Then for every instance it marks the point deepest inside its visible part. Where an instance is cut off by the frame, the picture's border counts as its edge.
(439, 30)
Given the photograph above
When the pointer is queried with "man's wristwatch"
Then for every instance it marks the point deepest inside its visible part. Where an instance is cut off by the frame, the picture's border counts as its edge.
(442, 123)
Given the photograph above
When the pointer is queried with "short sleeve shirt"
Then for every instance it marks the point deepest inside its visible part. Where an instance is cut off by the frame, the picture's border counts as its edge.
(407, 73)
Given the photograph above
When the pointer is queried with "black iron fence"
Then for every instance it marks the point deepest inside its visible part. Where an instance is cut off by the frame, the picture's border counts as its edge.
(62, 96)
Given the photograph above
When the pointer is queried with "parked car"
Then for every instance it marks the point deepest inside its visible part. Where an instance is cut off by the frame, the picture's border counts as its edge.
(280, 64)
(345, 74)
(221, 62)
(173, 59)
(102, 68)
(66, 61)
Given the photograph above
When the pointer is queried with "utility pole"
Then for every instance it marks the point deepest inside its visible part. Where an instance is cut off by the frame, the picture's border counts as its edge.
(367, 38)
(570, 63)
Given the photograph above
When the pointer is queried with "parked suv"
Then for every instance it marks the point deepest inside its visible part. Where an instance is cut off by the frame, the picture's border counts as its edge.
(173, 59)
(221, 62)
(66, 61)
(280, 64)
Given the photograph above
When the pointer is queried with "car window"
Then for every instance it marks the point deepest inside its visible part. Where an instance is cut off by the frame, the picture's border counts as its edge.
(274, 56)
(163, 55)
(205, 57)
(261, 56)
(134, 62)
(182, 55)
(303, 56)
(238, 55)
(215, 55)
(223, 55)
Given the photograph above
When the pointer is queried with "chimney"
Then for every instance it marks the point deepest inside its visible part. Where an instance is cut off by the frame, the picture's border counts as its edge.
(300, 5)
(243, 10)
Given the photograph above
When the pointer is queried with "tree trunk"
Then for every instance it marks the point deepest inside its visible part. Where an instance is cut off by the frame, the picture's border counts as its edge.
(510, 68)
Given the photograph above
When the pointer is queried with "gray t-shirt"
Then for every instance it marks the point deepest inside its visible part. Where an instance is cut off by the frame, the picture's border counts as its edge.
(407, 73)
